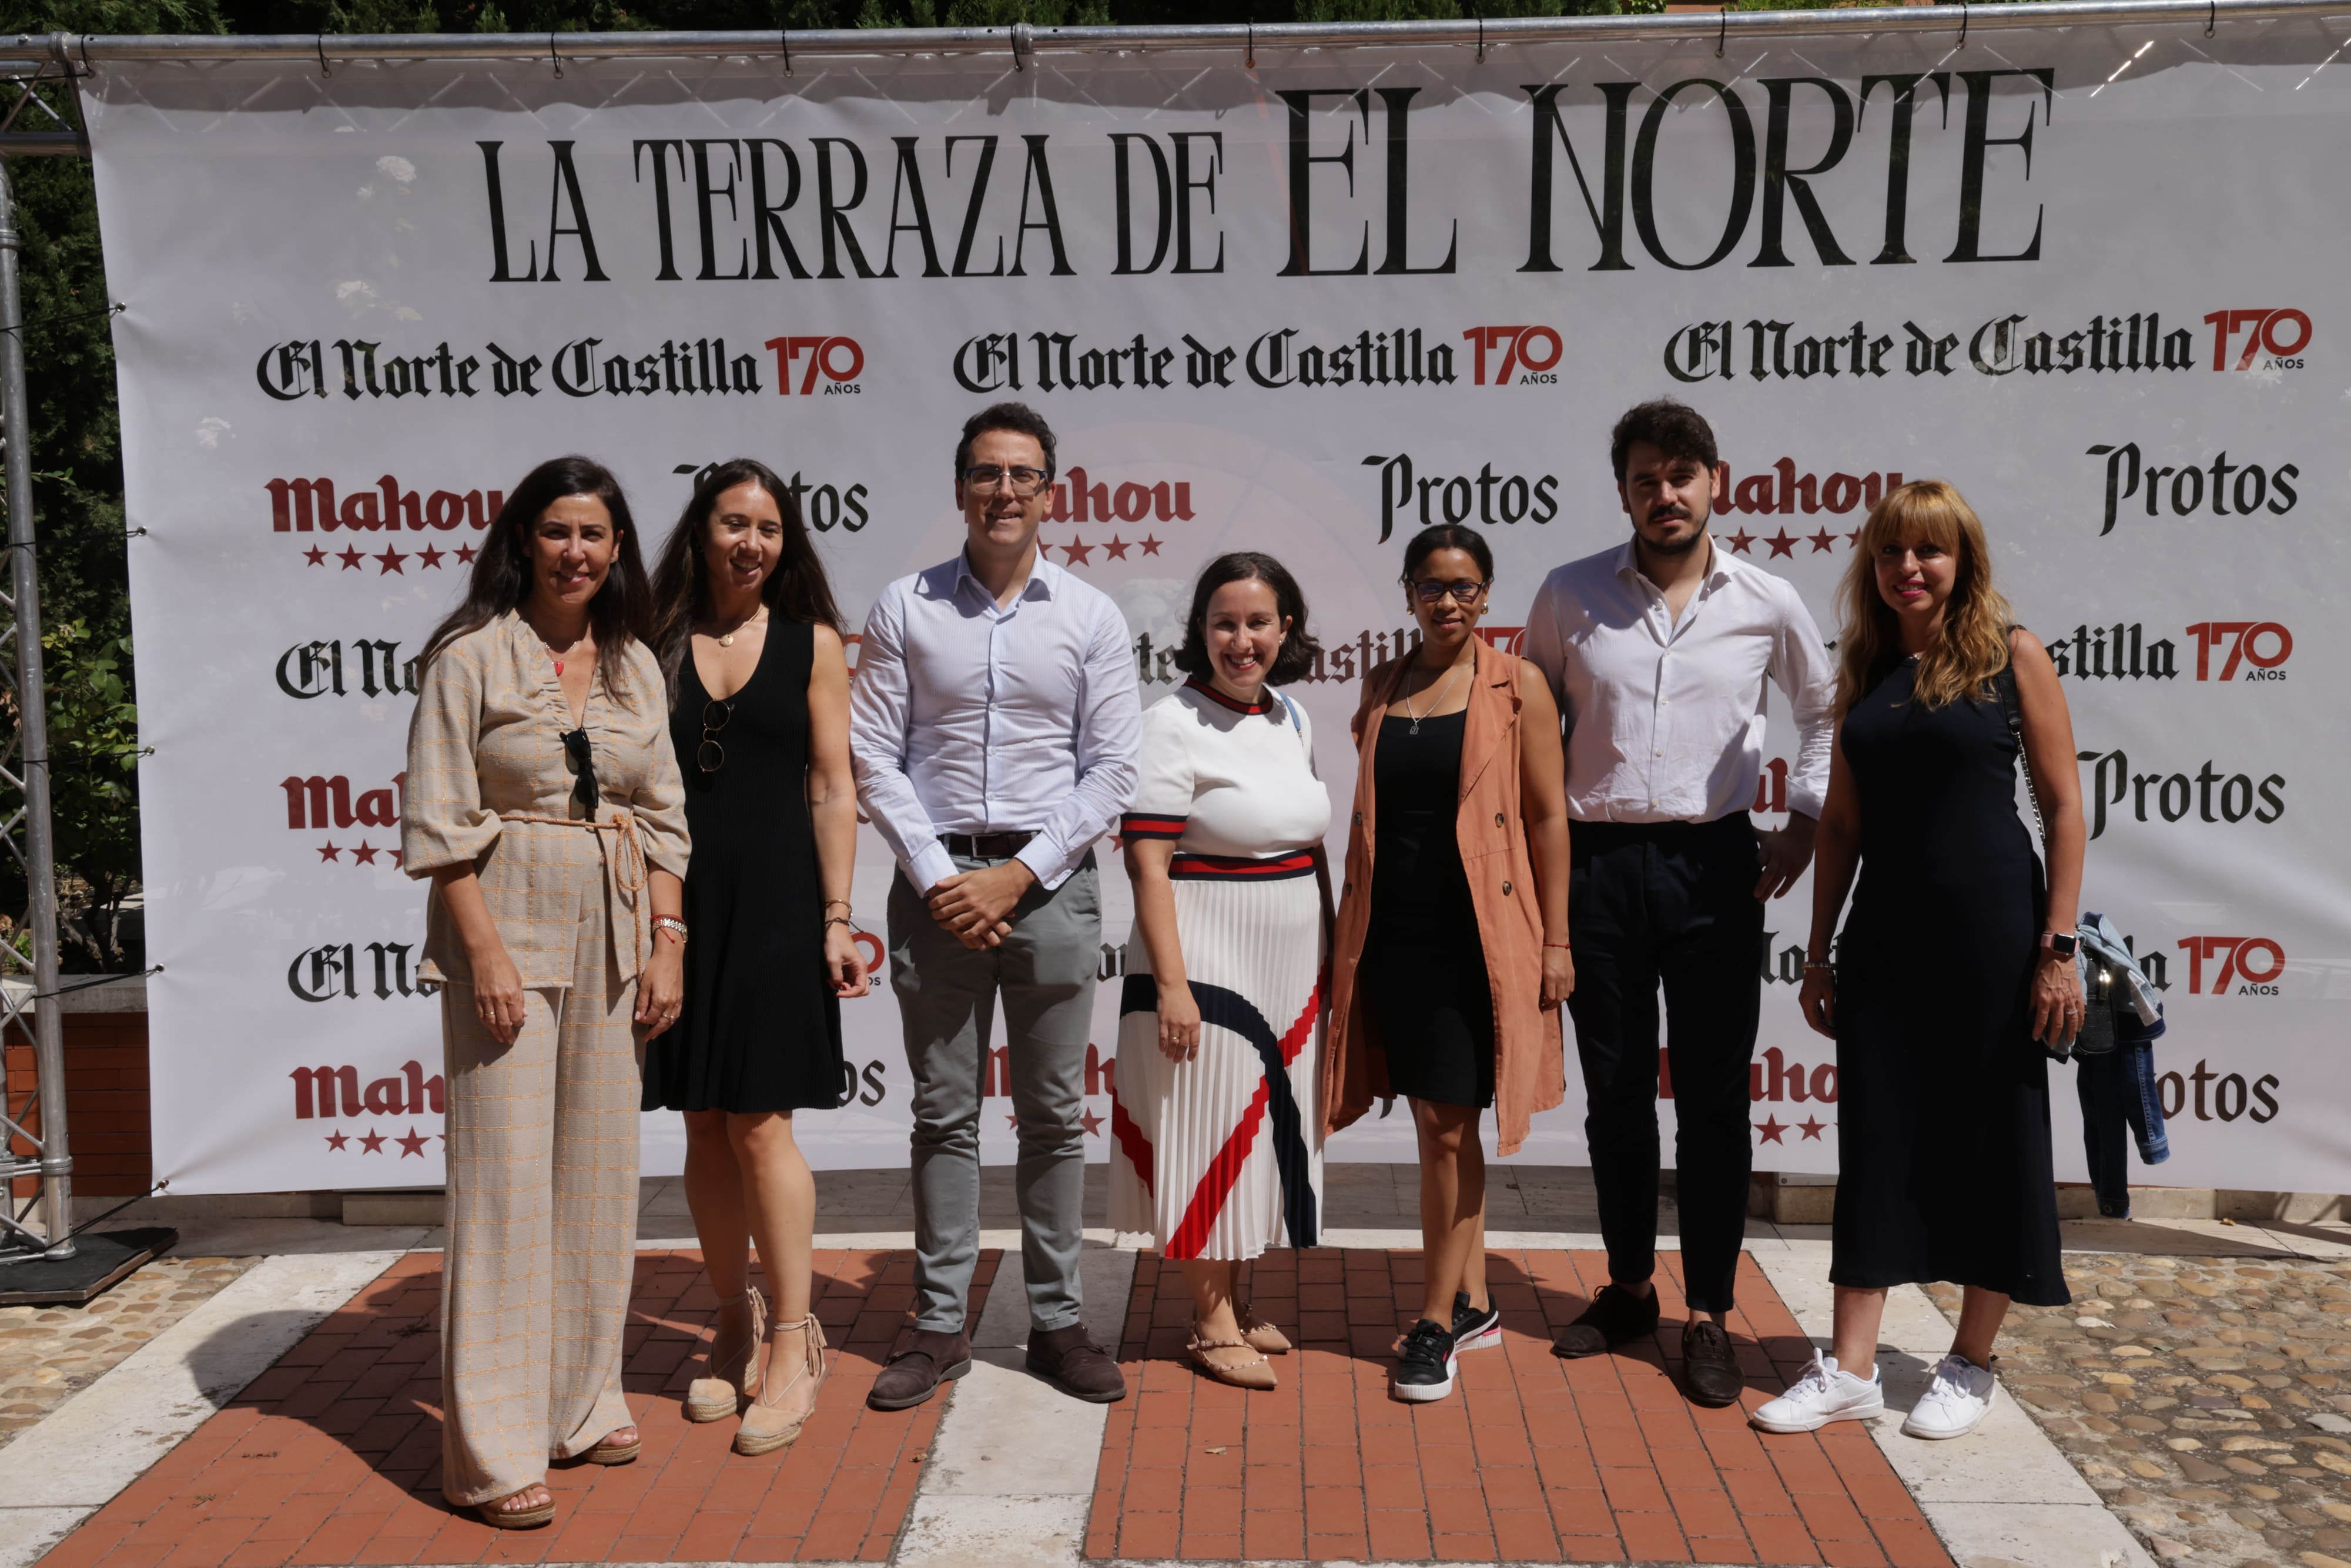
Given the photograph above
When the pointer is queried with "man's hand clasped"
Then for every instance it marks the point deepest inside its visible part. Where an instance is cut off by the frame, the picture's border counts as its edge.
(1784, 856)
(975, 906)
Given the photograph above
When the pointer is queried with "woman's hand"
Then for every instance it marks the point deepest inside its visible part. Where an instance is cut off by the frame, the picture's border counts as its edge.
(2057, 1000)
(1558, 975)
(497, 992)
(1179, 1022)
(844, 963)
(1818, 998)
(661, 988)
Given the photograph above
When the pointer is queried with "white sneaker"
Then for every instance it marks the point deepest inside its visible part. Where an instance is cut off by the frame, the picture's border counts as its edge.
(1956, 1402)
(1825, 1393)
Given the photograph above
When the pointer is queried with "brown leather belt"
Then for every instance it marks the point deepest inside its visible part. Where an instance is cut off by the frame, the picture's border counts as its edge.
(985, 846)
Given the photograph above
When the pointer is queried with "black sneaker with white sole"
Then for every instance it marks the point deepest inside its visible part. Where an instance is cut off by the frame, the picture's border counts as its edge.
(1424, 1369)
(1475, 1328)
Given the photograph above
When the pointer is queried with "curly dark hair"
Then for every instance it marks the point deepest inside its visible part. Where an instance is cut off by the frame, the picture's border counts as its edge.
(1446, 536)
(1674, 428)
(1299, 648)
(1018, 417)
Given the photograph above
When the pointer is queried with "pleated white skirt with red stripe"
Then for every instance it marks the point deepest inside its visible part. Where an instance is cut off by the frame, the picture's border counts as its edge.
(1221, 1156)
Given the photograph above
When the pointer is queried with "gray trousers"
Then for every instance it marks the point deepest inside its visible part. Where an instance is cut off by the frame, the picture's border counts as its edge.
(1045, 972)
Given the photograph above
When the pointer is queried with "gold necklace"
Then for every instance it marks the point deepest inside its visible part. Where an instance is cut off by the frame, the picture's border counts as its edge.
(758, 619)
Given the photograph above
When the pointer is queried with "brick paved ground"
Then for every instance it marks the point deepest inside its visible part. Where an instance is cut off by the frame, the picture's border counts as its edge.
(47, 1354)
(333, 1455)
(1533, 1459)
(2206, 1399)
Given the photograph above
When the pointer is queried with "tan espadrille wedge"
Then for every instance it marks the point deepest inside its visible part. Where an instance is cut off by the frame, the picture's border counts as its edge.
(734, 1369)
(766, 1428)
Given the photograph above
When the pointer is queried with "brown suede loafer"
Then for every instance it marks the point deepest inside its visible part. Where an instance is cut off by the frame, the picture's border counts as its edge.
(925, 1360)
(1067, 1360)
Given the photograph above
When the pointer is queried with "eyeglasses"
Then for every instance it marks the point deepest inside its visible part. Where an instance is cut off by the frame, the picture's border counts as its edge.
(1463, 592)
(583, 763)
(1024, 482)
(710, 756)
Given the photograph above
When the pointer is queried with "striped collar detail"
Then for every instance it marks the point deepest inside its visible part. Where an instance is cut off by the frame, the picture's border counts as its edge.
(1196, 684)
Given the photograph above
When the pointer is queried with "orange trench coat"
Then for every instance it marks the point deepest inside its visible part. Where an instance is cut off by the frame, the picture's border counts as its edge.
(1529, 1068)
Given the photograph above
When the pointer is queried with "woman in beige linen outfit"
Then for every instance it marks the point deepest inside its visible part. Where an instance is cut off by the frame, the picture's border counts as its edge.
(552, 927)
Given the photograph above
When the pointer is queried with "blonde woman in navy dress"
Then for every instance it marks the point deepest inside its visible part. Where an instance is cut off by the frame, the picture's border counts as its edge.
(1215, 1128)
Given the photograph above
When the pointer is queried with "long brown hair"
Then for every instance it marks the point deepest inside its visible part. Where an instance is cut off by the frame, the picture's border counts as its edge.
(1973, 647)
(797, 590)
(502, 575)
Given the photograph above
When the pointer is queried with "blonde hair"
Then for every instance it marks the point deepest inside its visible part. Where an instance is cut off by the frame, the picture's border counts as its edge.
(1973, 647)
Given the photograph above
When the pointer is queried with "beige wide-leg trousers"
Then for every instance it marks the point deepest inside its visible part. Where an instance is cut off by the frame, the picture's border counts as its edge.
(542, 1180)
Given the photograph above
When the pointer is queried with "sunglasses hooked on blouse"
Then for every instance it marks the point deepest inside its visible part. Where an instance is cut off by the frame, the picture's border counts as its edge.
(583, 764)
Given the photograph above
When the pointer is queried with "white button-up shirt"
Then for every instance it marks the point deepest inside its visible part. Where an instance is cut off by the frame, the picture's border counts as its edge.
(968, 717)
(1664, 717)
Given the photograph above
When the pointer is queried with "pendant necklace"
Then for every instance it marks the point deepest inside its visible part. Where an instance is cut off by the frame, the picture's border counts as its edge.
(1435, 698)
(758, 620)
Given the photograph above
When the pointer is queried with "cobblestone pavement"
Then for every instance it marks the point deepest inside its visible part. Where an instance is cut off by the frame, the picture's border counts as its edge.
(2206, 1399)
(49, 1353)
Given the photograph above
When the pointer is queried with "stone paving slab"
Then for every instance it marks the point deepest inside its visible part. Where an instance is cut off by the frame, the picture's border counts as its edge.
(47, 1354)
(2207, 1401)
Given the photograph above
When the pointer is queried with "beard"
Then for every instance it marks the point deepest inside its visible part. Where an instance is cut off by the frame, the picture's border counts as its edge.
(1679, 547)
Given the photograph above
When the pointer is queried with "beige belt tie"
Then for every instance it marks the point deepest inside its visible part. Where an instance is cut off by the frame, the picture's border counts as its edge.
(627, 869)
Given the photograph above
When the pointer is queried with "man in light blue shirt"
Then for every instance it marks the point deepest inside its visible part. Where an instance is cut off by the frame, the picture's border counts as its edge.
(994, 725)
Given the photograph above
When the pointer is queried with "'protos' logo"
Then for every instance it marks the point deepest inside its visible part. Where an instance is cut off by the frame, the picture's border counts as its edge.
(2265, 332)
(1529, 352)
(838, 360)
(2243, 966)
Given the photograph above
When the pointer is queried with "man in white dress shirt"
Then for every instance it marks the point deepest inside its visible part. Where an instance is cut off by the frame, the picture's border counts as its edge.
(1658, 650)
(994, 725)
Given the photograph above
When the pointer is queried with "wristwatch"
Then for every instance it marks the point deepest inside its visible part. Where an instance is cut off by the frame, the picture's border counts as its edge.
(2060, 943)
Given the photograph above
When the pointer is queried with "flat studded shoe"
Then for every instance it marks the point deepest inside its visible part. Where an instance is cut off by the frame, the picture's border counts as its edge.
(733, 1368)
(1257, 1374)
(766, 1428)
(1262, 1336)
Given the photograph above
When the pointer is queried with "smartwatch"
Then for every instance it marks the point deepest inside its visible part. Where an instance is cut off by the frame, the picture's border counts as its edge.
(2060, 943)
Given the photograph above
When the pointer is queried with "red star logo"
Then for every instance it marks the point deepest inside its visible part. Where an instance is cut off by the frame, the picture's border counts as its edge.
(1824, 540)
(395, 856)
(1116, 549)
(1783, 543)
(1093, 1123)
(327, 852)
(1853, 539)
(1812, 1126)
(465, 554)
(1079, 552)
(1741, 541)
(1150, 545)
(390, 561)
(1013, 1121)
(336, 1139)
(412, 1144)
(315, 556)
(1770, 1129)
(349, 557)
(372, 1142)
(430, 557)
(363, 855)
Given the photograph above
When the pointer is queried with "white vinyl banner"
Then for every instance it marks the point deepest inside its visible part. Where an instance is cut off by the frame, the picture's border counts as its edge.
(1308, 306)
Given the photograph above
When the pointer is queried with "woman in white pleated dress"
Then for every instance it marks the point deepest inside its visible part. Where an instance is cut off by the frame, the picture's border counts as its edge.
(1217, 1141)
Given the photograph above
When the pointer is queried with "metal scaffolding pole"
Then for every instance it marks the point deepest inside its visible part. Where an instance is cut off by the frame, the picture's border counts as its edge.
(1022, 41)
(53, 1161)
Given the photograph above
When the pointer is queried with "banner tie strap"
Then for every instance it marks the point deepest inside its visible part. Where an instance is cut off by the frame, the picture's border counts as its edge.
(556, 57)
(1722, 35)
(2211, 17)
(1963, 24)
(322, 56)
(787, 38)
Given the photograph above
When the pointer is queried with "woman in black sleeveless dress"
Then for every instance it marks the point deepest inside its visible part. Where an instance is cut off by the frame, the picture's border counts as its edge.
(1944, 984)
(759, 715)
